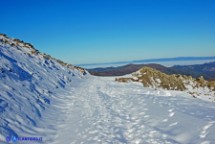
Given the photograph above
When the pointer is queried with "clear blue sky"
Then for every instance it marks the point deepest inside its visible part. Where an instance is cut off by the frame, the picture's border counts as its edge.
(94, 31)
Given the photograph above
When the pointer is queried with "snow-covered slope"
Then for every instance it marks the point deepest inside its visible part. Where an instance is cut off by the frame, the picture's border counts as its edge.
(40, 97)
(30, 83)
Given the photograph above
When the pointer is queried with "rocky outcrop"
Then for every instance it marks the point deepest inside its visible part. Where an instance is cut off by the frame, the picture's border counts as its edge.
(150, 77)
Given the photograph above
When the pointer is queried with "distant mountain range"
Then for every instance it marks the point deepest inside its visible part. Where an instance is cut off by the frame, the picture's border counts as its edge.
(175, 59)
(158, 60)
(206, 70)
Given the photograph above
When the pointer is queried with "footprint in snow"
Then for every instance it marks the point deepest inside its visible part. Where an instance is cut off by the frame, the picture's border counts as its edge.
(165, 120)
(173, 124)
(171, 112)
(204, 130)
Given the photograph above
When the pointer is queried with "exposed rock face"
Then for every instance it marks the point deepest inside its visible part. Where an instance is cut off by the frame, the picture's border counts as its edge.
(150, 77)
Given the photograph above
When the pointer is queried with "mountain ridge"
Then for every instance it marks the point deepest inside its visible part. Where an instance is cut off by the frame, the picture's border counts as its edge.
(30, 82)
(14, 42)
(206, 70)
(153, 60)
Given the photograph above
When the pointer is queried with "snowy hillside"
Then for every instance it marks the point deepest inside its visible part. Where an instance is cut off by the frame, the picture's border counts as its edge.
(30, 83)
(61, 104)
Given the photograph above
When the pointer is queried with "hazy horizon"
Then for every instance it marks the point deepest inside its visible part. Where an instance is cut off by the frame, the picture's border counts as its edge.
(167, 63)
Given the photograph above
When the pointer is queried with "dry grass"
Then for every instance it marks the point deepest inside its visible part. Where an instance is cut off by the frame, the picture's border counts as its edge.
(124, 79)
(150, 77)
(211, 84)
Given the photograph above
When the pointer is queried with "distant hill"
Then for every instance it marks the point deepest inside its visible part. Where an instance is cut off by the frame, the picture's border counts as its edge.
(206, 70)
(126, 69)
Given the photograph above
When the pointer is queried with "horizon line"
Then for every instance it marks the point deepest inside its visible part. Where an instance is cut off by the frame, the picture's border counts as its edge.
(179, 58)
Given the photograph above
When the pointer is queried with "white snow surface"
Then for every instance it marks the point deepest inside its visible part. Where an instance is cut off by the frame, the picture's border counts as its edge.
(41, 98)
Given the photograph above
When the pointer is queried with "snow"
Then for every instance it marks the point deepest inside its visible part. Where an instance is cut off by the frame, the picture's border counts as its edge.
(104, 111)
(29, 86)
(41, 98)
(203, 93)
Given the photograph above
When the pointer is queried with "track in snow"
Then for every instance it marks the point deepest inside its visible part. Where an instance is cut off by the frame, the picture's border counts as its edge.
(99, 110)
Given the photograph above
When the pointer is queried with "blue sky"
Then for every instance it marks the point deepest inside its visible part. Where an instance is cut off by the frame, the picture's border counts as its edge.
(98, 31)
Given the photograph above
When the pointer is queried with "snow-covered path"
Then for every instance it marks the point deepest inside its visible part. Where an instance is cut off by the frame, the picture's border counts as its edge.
(99, 110)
